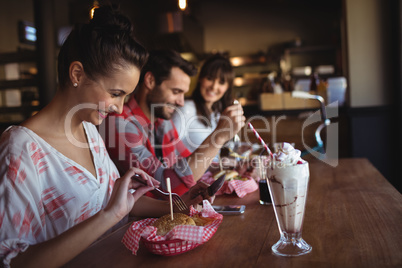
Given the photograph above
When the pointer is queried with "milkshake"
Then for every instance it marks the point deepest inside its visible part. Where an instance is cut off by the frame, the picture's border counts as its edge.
(288, 177)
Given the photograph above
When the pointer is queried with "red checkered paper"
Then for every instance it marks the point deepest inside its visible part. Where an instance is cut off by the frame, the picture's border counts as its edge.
(194, 235)
(240, 187)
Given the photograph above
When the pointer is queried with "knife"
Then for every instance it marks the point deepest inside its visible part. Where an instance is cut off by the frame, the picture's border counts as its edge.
(216, 185)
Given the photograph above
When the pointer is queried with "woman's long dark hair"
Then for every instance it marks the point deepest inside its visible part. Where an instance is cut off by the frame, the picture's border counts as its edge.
(216, 66)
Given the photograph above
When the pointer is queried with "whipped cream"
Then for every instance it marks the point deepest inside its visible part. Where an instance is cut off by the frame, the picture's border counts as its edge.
(286, 156)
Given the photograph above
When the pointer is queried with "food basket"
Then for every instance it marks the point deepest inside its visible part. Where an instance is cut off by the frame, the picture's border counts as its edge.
(169, 248)
(179, 240)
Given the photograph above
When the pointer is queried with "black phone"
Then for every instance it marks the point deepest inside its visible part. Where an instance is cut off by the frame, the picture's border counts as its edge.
(230, 209)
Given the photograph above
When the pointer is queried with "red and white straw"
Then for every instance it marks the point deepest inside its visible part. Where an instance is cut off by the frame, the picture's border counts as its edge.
(260, 139)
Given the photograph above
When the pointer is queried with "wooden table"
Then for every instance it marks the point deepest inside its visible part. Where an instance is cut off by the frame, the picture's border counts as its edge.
(353, 219)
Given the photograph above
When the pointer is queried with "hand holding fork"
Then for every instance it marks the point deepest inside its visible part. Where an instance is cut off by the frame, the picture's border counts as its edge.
(180, 204)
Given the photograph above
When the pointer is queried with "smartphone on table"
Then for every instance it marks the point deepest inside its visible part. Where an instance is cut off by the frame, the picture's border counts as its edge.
(230, 209)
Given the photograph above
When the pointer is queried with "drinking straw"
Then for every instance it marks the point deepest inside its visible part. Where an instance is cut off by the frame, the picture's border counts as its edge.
(256, 134)
(170, 197)
(220, 163)
(260, 139)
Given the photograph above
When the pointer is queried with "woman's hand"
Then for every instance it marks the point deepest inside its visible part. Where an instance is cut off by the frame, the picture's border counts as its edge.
(230, 123)
(127, 191)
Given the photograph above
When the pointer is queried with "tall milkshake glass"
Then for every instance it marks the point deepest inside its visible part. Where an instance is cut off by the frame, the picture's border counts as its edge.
(288, 187)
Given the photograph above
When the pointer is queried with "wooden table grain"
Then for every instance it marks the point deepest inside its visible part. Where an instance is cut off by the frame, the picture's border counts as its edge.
(353, 219)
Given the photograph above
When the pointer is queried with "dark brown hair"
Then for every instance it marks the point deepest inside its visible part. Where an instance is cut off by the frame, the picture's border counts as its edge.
(216, 66)
(102, 46)
(161, 62)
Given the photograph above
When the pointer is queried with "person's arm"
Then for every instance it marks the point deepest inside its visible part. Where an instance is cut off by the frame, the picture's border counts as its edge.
(59, 250)
(62, 248)
(230, 123)
(132, 148)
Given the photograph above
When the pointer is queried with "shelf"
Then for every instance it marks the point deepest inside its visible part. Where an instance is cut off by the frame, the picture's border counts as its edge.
(309, 49)
(9, 84)
(242, 82)
(20, 56)
(11, 115)
(19, 109)
(248, 60)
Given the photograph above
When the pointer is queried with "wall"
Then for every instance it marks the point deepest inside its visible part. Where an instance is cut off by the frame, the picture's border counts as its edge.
(368, 48)
(10, 13)
(372, 87)
(253, 26)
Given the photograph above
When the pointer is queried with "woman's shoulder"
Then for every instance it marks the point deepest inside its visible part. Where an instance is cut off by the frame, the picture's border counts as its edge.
(15, 139)
(15, 133)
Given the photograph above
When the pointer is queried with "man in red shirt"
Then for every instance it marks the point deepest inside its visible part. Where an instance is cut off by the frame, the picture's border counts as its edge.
(144, 136)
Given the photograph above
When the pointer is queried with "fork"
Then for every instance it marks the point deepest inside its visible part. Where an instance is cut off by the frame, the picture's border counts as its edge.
(236, 138)
(175, 197)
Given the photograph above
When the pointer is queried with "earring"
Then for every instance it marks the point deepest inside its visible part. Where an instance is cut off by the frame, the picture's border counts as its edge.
(75, 84)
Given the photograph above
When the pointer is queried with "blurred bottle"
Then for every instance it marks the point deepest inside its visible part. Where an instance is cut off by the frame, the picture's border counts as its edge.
(313, 83)
(287, 83)
(278, 89)
(322, 89)
(266, 86)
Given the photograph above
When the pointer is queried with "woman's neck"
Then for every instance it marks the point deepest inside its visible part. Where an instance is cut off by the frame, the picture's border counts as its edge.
(53, 117)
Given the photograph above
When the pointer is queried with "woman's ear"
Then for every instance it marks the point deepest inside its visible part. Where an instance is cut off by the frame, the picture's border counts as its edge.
(149, 80)
(76, 72)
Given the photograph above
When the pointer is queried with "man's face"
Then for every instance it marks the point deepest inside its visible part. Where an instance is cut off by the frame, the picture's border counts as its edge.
(166, 97)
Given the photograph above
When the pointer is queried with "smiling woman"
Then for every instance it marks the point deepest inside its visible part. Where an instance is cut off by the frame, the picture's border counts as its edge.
(211, 96)
(55, 158)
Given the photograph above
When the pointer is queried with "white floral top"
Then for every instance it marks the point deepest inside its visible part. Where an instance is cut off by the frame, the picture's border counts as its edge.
(43, 193)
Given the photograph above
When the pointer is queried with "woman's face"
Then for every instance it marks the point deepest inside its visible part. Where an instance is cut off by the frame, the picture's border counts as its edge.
(107, 95)
(212, 89)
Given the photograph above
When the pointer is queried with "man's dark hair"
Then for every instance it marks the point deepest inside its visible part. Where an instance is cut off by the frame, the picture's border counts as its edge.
(161, 62)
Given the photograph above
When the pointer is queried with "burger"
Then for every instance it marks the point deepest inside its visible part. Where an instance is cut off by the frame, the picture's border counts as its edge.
(165, 224)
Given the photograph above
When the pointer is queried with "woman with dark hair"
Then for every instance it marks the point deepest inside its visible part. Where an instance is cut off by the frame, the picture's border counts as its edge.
(211, 96)
(59, 190)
